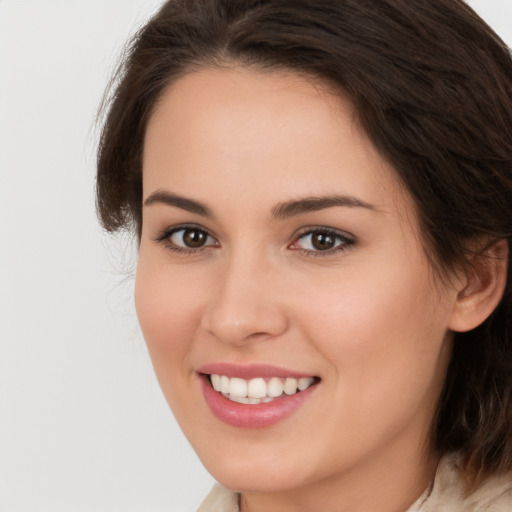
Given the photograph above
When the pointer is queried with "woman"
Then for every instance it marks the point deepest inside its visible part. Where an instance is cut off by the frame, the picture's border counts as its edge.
(321, 192)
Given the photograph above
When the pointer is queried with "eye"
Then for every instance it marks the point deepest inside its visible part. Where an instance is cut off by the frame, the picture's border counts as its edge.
(187, 239)
(322, 240)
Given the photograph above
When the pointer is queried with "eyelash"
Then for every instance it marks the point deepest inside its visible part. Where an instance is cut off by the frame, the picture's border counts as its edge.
(165, 238)
(343, 240)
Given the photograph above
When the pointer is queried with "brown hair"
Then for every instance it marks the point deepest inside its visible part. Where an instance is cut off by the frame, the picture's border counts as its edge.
(432, 87)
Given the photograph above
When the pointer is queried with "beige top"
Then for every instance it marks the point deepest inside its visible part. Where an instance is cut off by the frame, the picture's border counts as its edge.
(446, 495)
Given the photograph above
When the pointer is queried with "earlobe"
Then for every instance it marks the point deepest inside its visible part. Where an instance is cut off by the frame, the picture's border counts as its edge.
(482, 288)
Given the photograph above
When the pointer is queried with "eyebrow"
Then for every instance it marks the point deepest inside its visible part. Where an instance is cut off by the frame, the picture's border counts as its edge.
(169, 199)
(313, 204)
(280, 211)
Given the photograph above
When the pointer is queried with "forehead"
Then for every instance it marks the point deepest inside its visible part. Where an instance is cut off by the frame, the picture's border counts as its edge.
(261, 136)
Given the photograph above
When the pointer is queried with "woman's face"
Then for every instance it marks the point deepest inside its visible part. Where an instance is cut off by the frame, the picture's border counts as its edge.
(278, 250)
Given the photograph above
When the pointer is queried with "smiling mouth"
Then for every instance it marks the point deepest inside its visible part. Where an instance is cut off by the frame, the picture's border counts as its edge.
(259, 390)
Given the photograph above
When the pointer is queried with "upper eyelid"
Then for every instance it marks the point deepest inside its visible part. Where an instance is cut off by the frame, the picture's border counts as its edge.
(168, 231)
(326, 229)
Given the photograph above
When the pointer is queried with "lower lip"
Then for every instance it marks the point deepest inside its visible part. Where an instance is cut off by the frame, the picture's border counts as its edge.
(252, 416)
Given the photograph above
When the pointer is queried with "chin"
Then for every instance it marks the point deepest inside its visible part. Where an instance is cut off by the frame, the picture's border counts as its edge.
(254, 467)
(255, 479)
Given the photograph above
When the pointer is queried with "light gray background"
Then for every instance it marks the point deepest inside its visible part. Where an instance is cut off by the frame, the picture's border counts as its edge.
(83, 426)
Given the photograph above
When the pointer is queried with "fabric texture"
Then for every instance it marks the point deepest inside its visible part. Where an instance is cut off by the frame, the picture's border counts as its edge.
(220, 500)
(446, 495)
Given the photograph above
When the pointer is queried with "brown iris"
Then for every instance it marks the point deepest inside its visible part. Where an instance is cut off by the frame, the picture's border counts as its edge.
(322, 241)
(194, 238)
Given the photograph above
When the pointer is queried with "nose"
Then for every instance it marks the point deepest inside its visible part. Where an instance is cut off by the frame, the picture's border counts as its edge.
(246, 302)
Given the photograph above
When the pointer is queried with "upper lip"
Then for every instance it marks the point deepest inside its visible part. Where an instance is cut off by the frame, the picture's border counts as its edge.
(250, 371)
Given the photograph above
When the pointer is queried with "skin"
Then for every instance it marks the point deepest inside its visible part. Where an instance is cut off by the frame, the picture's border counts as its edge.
(369, 318)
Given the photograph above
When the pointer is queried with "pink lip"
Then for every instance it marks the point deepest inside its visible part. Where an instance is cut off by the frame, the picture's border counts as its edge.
(251, 416)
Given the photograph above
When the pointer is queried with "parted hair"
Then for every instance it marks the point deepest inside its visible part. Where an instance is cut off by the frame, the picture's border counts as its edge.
(431, 85)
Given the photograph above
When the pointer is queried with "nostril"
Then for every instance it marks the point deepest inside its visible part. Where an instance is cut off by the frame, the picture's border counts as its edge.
(248, 325)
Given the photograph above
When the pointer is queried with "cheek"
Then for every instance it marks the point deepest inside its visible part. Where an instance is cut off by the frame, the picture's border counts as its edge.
(384, 333)
(387, 357)
(168, 314)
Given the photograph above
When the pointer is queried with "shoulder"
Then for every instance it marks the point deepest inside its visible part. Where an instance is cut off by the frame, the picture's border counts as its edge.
(220, 500)
(448, 492)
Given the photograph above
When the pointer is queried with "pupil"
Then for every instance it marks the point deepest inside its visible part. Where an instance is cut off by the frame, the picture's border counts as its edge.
(323, 241)
(193, 238)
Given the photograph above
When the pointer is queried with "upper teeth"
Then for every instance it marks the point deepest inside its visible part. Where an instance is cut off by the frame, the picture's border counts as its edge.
(258, 390)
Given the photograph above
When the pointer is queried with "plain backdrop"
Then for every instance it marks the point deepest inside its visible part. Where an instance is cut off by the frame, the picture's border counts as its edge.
(83, 426)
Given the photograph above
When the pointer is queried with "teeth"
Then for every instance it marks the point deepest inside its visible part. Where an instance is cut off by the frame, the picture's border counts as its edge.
(304, 383)
(290, 386)
(238, 387)
(224, 384)
(258, 390)
(246, 400)
(274, 387)
(216, 382)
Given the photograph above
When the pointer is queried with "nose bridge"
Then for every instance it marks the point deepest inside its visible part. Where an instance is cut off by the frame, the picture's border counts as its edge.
(245, 305)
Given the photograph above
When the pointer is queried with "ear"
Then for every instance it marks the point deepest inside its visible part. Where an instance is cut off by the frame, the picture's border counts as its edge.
(481, 288)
